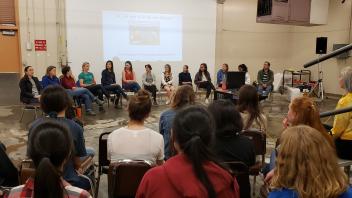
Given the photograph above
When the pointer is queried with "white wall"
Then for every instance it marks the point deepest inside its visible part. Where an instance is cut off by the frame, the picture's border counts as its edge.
(42, 20)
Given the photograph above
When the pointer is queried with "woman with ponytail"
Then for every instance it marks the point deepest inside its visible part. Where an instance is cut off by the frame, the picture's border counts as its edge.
(49, 159)
(193, 172)
(54, 102)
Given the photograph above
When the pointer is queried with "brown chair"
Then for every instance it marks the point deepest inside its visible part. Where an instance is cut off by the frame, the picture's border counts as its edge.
(259, 141)
(103, 162)
(27, 170)
(241, 171)
(125, 176)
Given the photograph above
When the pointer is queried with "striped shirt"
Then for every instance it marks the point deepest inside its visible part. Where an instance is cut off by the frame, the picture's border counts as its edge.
(265, 77)
(27, 190)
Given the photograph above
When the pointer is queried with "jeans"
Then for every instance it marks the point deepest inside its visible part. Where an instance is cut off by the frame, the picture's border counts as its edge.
(83, 93)
(98, 90)
(116, 89)
(131, 86)
(264, 91)
(152, 89)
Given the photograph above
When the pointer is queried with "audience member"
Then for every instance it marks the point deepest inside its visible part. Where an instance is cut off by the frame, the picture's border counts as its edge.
(248, 106)
(8, 171)
(203, 80)
(194, 172)
(50, 77)
(222, 74)
(243, 68)
(184, 78)
(230, 145)
(265, 80)
(129, 81)
(307, 167)
(149, 82)
(184, 96)
(49, 158)
(30, 87)
(166, 82)
(87, 80)
(108, 80)
(54, 102)
(136, 142)
(342, 128)
(68, 82)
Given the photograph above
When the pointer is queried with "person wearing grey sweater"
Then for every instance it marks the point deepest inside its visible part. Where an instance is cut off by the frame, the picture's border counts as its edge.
(149, 80)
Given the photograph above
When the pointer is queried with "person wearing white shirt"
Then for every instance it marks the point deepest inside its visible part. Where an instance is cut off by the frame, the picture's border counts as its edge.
(166, 82)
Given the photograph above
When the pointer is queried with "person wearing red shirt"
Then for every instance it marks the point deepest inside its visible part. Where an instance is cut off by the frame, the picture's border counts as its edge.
(193, 172)
(68, 82)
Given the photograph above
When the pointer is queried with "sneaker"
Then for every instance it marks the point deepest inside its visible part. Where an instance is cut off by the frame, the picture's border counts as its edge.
(168, 102)
(91, 113)
(206, 101)
(99, 102)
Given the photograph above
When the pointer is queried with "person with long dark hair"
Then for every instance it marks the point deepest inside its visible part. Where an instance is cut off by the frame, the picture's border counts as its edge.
(248, 105)
(193, 172)
(30, 87)
(129, 81)
(108, 80)
(87, 80)
(149, 81)
(49, 158)
(54, 102)
(50, 77)
(184, 96)
(203, 80)
(243, 68)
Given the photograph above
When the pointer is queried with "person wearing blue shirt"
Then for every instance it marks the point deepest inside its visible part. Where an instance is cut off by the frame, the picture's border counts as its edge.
(221, 75)
(184, 96)
(307, 166)
(50, 77)
(108, 80)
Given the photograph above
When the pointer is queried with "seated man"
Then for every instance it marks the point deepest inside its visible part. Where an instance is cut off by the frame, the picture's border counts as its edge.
(265, 80)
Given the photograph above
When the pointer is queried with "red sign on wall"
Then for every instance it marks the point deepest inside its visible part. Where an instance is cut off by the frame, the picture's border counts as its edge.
(40, 45)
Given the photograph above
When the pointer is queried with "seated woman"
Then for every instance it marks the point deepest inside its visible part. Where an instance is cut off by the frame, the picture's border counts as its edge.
(302, 110)
(50, 77)
(136, 142)
(54, 103)
(49, 159)
(193, 172)
(108, 80)
(149, 80)
(184, 78)
(203, 80)
(166, 82)
(30, 87)
(68, 82)
(243, 68)
(248, 105)
(184, 96)
(230, 145)
(307, 167)
(87, 80)
(129, 81)
(221, 75)
(342, 128)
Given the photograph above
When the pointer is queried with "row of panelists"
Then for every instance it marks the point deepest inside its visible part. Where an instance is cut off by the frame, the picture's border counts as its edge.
(87, 88)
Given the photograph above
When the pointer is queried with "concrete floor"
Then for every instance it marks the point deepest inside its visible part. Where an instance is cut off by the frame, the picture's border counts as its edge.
(14, 134)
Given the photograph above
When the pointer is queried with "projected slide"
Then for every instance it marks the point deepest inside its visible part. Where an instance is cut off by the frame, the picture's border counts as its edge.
(142, 36)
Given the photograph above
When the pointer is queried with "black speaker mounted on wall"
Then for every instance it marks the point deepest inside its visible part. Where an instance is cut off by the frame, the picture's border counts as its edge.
(321, 45)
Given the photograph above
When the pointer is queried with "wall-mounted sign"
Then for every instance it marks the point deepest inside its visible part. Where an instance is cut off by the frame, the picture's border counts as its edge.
(8, 32)
(40, 45)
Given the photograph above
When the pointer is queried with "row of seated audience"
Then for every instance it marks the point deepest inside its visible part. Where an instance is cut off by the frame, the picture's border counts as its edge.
(89, 91)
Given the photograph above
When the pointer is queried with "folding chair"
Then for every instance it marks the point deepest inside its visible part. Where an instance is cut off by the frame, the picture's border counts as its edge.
(125, 176)
(259, 141)
(35, 107)
(241, 171)
(103, 162)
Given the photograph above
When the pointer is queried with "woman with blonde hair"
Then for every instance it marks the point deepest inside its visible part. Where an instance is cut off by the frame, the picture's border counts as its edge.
(166, 82)
(307, 167)
(342, 128)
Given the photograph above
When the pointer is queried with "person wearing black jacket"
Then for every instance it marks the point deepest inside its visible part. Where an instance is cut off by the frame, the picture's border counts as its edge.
(184, 78)
(30, 87)
(203, 80)
(108, 80)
